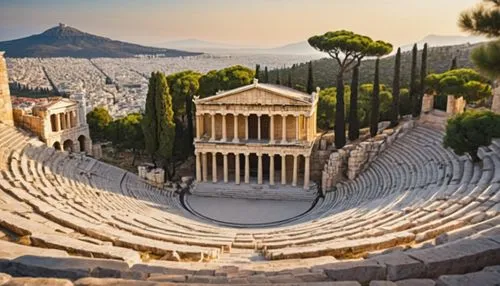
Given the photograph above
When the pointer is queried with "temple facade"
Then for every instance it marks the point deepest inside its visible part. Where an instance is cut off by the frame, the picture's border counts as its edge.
(257, 134)
(60, 123)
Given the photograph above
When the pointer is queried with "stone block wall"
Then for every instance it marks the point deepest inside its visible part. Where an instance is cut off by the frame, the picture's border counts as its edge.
(27, 121)
(6, 116)
(351, 160)
(495, 106)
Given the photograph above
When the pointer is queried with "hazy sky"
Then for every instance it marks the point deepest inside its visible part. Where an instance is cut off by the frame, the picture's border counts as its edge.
(263, 23)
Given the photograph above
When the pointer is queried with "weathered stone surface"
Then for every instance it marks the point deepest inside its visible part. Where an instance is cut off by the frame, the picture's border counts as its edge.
(482, 278)
(38, 282)
(70, 268)
(113, 282)
(4, 278)
(5, 103)
(362, 271)
(416, 282)
(168, 278)
(458, 257)
(400, 266)
(11, 250)
(382, 283)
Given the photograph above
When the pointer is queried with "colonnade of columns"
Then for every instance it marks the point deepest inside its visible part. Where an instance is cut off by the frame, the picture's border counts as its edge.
(202, 168)
(64, 120)
(308, 130)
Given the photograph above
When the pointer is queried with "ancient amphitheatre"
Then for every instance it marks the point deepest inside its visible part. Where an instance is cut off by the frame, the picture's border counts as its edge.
(269, 202)
(418, 214)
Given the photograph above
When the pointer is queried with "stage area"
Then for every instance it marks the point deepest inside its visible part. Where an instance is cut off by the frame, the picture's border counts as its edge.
(245, 212)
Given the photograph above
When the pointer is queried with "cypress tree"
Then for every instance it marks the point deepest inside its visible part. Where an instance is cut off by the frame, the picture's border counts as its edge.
(266, 75)
(278, 77)
(375, 102)
(423, 75)
(454, 63)
(289, 80)
(257, 72)
(353, 109)
(396, 90)
(310, 79)
(158, 122)
(413, 81)
(149, 119)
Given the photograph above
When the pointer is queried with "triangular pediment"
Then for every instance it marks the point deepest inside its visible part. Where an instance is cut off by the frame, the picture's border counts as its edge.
(61, 103)
(259, 95)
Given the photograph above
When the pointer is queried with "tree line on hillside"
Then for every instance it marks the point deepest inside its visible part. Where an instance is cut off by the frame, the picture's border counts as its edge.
(18, 89)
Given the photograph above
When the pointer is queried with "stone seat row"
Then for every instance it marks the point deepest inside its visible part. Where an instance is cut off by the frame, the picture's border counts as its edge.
(395, 202)
(465, 259)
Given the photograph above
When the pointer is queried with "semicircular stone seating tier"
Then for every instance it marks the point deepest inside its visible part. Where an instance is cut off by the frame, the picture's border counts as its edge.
(418, 212)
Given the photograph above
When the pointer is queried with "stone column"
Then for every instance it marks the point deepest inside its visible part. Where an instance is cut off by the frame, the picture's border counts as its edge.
(297, 128)
(427, 103)
(283, 169)
(258, 126)
(214, 167)
(77, 118)
(237, 168)
(271, 169)
(246, 127)
(224, 131)
(283, 135)
(271, 128)
(259, 169)
(61, 121)
(68, 120)
(307, 172)
(198, 167)
(58, 122)
(212, 135)
(295, 163)
(198, 127)
(247, 168)
(204, 166)
(235, 138)
(226, 169)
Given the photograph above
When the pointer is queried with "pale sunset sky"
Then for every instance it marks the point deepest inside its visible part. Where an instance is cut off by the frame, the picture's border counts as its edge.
(256, 23)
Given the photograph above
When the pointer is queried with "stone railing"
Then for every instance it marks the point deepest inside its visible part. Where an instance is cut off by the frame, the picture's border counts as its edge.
(352, 159)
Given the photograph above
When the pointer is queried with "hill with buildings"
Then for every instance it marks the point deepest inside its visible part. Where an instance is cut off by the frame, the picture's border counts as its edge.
(325, 70)
(65, 41)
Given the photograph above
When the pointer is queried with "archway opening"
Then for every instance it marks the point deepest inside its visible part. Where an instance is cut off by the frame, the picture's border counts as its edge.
(68, 145)
(57, 145)
(82, 141)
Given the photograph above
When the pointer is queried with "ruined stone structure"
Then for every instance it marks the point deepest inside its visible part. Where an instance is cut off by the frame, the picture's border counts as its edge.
(495, 106)
(437, 118)
(455, 105)
(60, 123)
(350, 161)
(5, 103)
(259, 133)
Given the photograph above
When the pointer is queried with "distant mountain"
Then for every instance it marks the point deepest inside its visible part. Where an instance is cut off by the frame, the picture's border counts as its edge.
(198, 45)
(441, 41)
(300, 48)
(65, 41)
